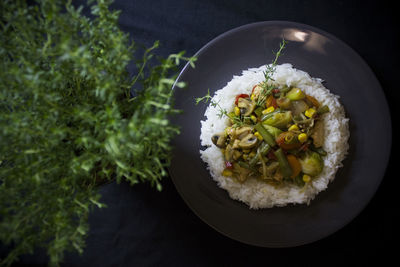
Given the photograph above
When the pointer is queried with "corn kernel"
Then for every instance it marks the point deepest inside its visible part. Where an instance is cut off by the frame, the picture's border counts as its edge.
(310, 112)
(237, 111)
(258, 135)
(245, 156)
(227, 130)
(227, 173)
(253, 118)
(306, 178)
(252, 96)
(302, 137)
(294, 127)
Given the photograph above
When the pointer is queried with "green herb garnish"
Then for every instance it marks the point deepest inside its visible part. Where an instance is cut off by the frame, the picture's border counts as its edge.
(204, 99)
(236, 120)
(266, 86)
(221, 112)
(69, 122)
(265, 92)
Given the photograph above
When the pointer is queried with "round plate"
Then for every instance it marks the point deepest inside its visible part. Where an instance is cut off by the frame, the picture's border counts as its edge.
(345, 74)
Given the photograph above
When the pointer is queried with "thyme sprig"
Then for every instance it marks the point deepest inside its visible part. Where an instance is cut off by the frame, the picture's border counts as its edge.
(266, 90)
(68, 121)
(204, 99)
(236, 120)
(221, 111)
(266, 85)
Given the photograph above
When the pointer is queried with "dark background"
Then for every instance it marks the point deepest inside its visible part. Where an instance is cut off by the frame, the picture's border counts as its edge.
(143, 227)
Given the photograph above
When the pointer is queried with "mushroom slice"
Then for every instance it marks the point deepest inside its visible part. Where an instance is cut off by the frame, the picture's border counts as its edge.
(257, 90)
(242, 177)
(237, 154)
(246, 106)
(278, 176)
(249, 141)
(219, 140)
(298, 107)
(318, 134)
(272, 167)
(229, 153)
(243, 131)
(235, 144)
(241, 173)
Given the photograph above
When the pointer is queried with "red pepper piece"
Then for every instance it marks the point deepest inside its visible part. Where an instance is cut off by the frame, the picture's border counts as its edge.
(228, 165)
(239, 96)
(271, 155)
(254, 87)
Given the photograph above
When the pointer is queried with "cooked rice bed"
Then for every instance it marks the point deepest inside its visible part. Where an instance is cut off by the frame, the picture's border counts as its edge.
(258, 194)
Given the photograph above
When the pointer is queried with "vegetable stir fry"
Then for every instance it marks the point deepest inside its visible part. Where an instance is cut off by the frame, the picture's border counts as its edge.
(275, 135)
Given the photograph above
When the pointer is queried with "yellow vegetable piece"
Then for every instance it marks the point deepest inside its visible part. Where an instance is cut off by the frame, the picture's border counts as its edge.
(245, 156)
(302, 137)
(227, 130)
(270, 101)
(252, 96)
(310, 112)
(295, 94)
(306, 178)
(253, 118)
(268, 110)
(236, 111)
(294, 127)
(259, 136)
(227, 173)
(313, 100)
(294, 165)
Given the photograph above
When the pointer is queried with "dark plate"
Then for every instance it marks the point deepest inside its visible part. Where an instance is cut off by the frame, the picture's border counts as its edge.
(345, 73)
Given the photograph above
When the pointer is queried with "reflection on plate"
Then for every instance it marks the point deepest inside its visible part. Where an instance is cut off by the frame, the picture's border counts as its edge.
(345, 74)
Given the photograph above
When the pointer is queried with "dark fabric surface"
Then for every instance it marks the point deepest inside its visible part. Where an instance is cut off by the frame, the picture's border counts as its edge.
(143, 227)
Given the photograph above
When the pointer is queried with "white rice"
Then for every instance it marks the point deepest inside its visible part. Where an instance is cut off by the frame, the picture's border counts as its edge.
(257, 194)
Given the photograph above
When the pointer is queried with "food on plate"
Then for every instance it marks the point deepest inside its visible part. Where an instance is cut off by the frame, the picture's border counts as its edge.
(274, 136)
